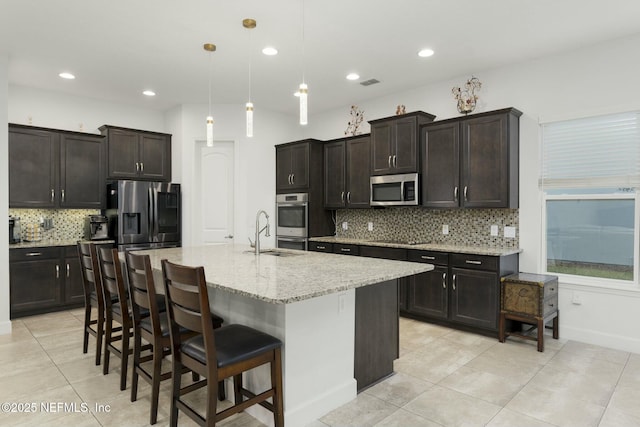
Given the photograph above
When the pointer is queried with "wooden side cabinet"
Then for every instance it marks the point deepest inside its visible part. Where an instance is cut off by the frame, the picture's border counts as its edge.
(346, 173)
(532, 299)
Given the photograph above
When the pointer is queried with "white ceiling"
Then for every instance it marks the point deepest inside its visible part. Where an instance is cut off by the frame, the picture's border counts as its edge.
(117, 48)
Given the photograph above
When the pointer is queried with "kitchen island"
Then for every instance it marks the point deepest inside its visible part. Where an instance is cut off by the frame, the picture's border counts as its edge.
(329, 310)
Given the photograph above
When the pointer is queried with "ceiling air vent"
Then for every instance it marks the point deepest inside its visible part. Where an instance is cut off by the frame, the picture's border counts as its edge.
(369, 82)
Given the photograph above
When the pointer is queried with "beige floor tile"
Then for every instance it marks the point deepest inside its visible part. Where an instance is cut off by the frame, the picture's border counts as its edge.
(62, 339)
(414, 334)
(557, 408)
(615, 418)
(19, 332)
(316, 423)
(75, 420)
(47, 406)
(508, 418)
(520, 350)
(101, 389)
(508, 367)
(583, 364)
(596, 352)
(402, 418)
(55, 325)
(18, 350)
(121, 411)
(364, 410)
(76, 371)
(23, 357)
(469, 339)
(25, 384)
(631, 373)
(451, 408)
(483, 385)
(399, 389)
(626, 399)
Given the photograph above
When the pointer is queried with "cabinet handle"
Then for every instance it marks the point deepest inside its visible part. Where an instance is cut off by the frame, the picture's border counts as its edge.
(465, 193)
(473, 262)
(141, 167)
(53, 195)
(293, 178)
(345, 249)
(320, 247)
(137, 167)
(62, 196)
(67, 269)
(348, 196)
(395, 163)
(455, 193)
(342, 196)
(427, 257)
(389, 162)
(454, 282)
(57, 271)
(444, 280)
(33, 254)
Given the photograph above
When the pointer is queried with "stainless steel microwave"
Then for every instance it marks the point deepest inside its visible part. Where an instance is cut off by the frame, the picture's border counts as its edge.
(395, 190)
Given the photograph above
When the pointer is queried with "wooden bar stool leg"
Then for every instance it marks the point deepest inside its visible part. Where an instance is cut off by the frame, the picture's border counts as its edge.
(276, 383)
(541, 335)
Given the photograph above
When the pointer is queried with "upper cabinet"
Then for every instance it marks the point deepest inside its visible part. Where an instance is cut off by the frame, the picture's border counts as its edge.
(137, 154)
(51, 168)
(346, 173)
(394, 143)
(472, 161)
(299, 167)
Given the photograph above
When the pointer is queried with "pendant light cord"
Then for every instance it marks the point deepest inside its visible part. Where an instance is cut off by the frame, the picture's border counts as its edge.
(210, 69)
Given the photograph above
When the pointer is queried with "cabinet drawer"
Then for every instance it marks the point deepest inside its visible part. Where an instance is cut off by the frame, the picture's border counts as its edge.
(550, 305)
(474, 262)
(34, 254)
(430, 257)
(321, 247)
(340, 248)
(397, 254)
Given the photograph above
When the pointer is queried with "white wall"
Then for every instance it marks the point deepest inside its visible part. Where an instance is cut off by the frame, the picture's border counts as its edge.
(5, 324)
(593, 80)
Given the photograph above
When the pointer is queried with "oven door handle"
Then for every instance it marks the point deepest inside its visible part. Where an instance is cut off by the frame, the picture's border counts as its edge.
(292, 205)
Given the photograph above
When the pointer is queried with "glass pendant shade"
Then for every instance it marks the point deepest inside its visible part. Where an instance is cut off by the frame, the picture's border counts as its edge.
(209, 131)
(249, 119)
(303, 103)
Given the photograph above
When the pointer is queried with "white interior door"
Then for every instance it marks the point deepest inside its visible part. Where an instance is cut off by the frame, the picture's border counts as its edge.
(216, 180)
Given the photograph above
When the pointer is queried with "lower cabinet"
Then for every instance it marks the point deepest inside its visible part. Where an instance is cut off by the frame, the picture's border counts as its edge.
(427, 293)
(44, 279)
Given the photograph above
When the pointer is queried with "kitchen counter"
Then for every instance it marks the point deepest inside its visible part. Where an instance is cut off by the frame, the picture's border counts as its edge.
(473, 250)
(52, 242)
(331, 312)
(292, 276)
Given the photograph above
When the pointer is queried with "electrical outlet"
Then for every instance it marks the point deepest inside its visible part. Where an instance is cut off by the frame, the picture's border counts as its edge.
(510, 232)
(370, 226)
(494, 230)
(445, 229)
(576, 298)
(345, 225)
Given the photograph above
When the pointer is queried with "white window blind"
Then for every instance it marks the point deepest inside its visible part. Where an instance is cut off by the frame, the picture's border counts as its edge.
(601, 151)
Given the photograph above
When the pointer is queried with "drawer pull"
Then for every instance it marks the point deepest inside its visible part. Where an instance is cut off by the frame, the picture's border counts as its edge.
(67, 269)
(551, 305)
(345, 249)
(33, 254)
(57, 271)
(444, 280)
(552, 289)
(427, 257)
(454, 282)
(473, 262)
(321, 247)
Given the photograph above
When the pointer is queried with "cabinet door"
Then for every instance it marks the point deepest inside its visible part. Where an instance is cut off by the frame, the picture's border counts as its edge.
(334, 175)
(283, 168)
(155, 157)
(122, 157)
(403, 293)
(82, 171)
(405, 146)
(428, 293)
(485, 162)
(33, 168)
(300, 166)
(73, 288)
(440, 153)
(381, 136)
(358, 172)
(34, 285)
(474, 298)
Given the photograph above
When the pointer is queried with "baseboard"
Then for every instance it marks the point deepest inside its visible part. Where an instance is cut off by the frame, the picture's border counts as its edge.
(616, 342)
(5, 327)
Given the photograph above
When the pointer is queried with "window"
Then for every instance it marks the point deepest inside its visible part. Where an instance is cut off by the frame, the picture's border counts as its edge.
(590, 183)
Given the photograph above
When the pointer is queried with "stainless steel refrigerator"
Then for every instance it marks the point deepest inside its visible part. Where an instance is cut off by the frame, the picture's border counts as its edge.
(144, 215)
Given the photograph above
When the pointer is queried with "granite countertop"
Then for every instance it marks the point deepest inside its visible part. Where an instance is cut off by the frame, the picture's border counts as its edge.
(284, 279)
(53, 242)
(474, 250)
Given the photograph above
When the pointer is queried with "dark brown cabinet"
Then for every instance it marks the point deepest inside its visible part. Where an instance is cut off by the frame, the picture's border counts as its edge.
(394, 143)
(137, 154)
(346, 173)
(293, 166)
(428, 293)
(471, 162)
(73, 288)
(321, 247)
(55, 169)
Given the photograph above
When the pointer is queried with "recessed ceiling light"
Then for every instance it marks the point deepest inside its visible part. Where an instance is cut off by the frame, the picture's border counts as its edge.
(425, 53)
(353, 76)
(270, 51)
(67, 76)
(149, 93)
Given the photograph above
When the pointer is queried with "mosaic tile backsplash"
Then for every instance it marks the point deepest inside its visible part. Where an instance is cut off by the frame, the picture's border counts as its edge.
(68, 224)
(468, 227)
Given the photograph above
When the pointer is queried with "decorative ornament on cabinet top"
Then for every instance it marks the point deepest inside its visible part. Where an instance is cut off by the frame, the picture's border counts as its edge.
(356, 116)
(466, 96)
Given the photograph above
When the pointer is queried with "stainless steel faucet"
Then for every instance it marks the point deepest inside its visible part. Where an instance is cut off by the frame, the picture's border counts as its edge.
(260, 230)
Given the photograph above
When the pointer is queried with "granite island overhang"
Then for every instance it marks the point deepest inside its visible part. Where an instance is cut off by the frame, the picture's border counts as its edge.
(336, 315)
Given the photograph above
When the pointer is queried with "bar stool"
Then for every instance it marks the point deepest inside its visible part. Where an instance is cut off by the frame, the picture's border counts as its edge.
(153, 328)
(226, 352)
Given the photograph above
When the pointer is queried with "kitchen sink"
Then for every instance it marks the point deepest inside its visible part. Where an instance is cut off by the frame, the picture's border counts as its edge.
(275, 252)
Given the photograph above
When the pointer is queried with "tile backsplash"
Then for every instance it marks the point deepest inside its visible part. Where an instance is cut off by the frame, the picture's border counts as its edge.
(467, 227)
(68, 224)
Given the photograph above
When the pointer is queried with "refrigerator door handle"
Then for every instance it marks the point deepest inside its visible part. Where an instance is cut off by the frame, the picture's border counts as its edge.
(152, 216)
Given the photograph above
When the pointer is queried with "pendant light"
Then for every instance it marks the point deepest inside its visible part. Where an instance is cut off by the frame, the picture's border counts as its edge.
(303, 91)
(249, 24)
(210, 47)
